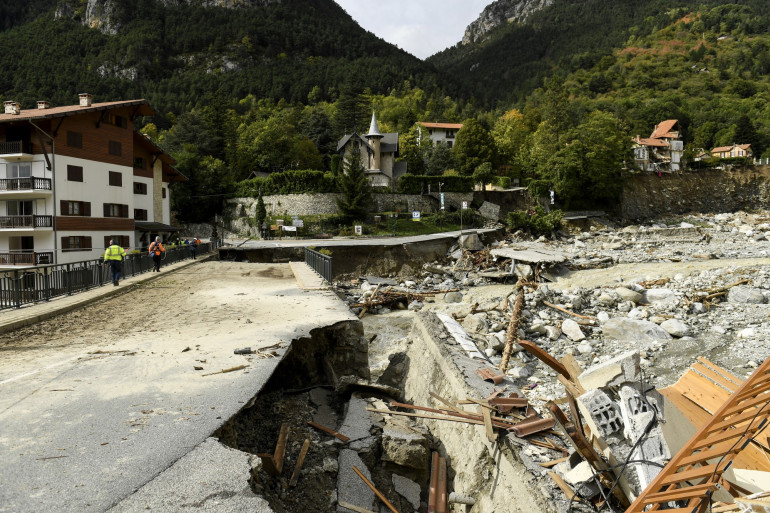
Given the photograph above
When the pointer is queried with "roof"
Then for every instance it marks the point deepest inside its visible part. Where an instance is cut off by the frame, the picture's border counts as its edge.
(347, 137)
(388, 144)
(665, 129)
(374, 127)
(150, 226)
(660, 143)
(143, 109)
(723, 149)
(452, 126)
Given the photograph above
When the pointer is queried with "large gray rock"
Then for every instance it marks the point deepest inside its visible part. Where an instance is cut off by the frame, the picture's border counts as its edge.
(471, 241)
(660, 297)
(572, 330)
(675, 328)
(743, 294)
(404, 447)
(476, 323)
(626, 294)
(453, 297)
(633, 330)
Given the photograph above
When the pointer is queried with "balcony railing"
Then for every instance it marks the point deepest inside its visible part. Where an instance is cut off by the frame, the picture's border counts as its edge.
(14, 147)
(26, 258)
(26, 222)
(31, 183)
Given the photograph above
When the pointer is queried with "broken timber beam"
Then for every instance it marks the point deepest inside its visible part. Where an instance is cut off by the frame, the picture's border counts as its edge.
(512, 334)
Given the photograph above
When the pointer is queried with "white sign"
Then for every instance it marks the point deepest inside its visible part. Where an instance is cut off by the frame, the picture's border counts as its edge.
(465, 205)
(298, 222)
(359, 229)
(442, 201)
(415, 215)
(290, 228)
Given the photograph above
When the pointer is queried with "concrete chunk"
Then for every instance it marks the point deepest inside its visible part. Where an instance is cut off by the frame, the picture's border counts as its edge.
(408, 489)
(623, 368)
(600, 412)
(572, 330)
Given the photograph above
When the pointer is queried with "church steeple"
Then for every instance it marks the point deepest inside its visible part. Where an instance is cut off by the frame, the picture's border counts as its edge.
(374, 127)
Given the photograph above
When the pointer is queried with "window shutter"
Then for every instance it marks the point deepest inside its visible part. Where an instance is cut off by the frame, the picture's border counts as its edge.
(87, 243)
(65, 243)
(87, 208)
(124, 211)
(63, 208)
(124, 241)
(106, 209)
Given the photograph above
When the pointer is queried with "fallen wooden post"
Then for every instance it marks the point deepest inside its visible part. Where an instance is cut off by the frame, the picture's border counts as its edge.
(280, 447)
(223, 371)
(564, 310)
(511, 335)
(329, 431)
(375, 490)
(300, 461)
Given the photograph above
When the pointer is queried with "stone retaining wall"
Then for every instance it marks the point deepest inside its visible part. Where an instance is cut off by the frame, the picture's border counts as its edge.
(647, 196)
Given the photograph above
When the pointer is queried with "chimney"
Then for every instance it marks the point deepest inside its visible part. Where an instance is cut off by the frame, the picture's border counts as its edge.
(42, 104)
(12, 107)
(85, 99)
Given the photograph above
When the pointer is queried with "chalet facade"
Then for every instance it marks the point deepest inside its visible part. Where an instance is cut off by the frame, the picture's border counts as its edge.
(736, 150)
(438, 132)
(74, 177)
(377, 153)
(663, 150)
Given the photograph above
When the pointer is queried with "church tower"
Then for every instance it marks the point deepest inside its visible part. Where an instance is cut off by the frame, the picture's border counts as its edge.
(373, 137)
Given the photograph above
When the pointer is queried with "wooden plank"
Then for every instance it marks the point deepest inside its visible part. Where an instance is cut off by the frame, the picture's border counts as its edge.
(693, 473)
(561, 483)
(375, 490)
(491, 435)
(329, 431)
(732, 377)
(353, 507)
(467, 420)
(268, 465)
(716, 377)
(679, 493)
(300, 461)
(445, 402)
(433, 487)
(441, 495)
(571, 387)
(280, 447)
(704, 392)
(553, 463)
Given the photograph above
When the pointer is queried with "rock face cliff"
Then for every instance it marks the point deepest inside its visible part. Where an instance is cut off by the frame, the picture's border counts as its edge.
(101, 14)
(499, 13)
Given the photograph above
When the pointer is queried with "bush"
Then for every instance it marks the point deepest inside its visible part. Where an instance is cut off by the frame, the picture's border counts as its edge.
(536, 221)
(293, 181)
(413, 184)
(503, 181)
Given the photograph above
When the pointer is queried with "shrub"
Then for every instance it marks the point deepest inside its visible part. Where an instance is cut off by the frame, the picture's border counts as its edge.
(503, 181)
(294, 181)
(535, 221)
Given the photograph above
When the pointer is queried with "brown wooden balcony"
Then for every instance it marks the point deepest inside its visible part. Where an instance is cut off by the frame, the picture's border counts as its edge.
(32, 183)
(15, 147)
(33, 221)
(26, 258)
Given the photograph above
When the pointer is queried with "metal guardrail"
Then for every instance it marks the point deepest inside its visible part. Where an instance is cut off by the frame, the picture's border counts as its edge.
(320, 263)
(42, 283)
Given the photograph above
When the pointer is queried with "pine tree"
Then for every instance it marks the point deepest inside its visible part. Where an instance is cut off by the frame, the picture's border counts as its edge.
(261, 213)
(354, 189)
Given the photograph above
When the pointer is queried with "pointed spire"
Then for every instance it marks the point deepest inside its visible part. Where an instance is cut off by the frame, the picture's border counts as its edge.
(374, 127)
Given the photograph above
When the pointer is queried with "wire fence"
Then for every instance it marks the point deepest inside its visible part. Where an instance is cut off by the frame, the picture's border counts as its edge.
(20, 287)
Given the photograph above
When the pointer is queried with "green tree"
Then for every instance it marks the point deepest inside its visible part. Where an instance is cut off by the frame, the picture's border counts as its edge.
(473, 146)
(354, 189)
(412, 149)
(438, 159)
(261, 212)
(483, 175)
(510, 136)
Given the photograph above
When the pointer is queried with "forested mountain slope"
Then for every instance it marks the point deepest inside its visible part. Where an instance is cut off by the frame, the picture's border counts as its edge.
(180, 54)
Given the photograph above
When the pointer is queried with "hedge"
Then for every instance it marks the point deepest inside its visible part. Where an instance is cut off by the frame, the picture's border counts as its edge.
(537, 222)
(417, 184)
(293, 181)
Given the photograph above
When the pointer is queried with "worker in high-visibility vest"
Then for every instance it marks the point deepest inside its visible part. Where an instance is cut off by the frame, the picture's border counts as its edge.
(156, 251)
(113, 257)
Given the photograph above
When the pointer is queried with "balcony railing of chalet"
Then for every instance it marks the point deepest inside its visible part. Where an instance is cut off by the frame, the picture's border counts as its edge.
(41, 283)
(26, 258)
(26, 222)
(32, 183)
(13, 147)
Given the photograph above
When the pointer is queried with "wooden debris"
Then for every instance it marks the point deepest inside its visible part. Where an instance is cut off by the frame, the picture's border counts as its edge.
(353, 507)
(553, 463)
(300, 461)
(375, 490)
(329, 431)
(433, 486)
(543, 356)
(273, 463)
(567, 489)
(223, 371)
(441, 495)
(511, 335)
(491, 435)
(564, 310)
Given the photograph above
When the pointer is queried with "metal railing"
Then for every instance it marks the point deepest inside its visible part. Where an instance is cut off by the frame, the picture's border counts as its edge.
(14, 147)
(26, 222)
(44, 282)
(30, 183)
(320, 263)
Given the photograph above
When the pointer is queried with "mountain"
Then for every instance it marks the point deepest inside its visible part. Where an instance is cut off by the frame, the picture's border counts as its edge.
(500, 13)
(184, 53)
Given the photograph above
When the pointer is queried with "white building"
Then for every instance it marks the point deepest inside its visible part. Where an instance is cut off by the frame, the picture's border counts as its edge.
(73, 177)
(438, 132)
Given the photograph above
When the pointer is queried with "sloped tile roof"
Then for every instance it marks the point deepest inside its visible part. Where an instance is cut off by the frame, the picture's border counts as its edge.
(70, 110)
(665, 129)
(451, 126)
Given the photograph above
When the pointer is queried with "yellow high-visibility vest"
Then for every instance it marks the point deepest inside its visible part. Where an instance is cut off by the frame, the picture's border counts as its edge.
(115, 252)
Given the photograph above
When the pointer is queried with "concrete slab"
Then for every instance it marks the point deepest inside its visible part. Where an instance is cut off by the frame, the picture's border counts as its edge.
(533, 255)
(97, 403)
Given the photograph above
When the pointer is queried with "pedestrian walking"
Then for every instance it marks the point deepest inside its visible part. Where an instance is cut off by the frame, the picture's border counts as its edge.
(156, 251)
(113, 257)
(194, 246)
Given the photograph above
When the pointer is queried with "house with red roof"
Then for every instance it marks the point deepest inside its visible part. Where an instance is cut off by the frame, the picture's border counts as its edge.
(662, 151)
(736, 150)
(438, 132)
(74, 177)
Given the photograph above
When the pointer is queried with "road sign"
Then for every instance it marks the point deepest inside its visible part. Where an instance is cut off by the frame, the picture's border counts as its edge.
(465, 205)
(415, 215)
(359, 230)
(442, 201)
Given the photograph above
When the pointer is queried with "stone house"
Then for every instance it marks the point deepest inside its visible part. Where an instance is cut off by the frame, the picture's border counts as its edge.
(377, 153)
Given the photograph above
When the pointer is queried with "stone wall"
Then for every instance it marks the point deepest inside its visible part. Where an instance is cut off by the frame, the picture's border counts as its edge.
(647, 196)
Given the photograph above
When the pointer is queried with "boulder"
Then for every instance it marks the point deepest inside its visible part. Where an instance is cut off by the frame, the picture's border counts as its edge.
(660, 297)
(453, 297)
(471, 241)
(676, 328)
(626, 294)
(476, 323)
(404, 447)
(633, 330)
(572, 330)
(743, 294)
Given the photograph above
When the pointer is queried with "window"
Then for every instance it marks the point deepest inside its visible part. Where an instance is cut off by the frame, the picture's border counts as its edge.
(140, 214)
(19, 170)
(77, 243)
(75, 173)
(450, 134)
(164, 193)
(116, 179)
(449, 144)
(139, 163)
(20, 208)
(140, 188)
(75, 208)
(74, 139)
(120, 240)
(115, 210)
(115, 148)
(119, 121)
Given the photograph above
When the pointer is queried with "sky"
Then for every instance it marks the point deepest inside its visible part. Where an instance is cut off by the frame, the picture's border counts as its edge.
(421, 27)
